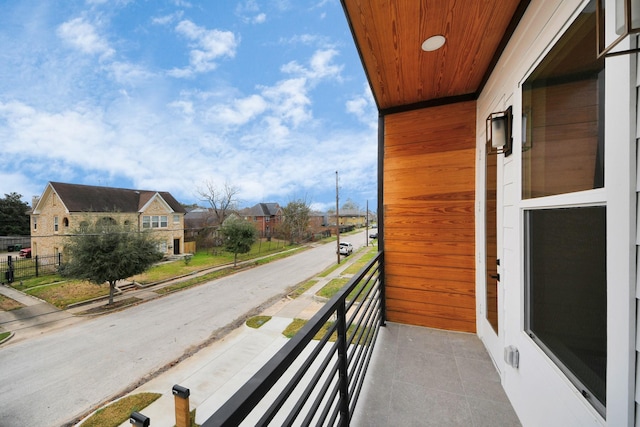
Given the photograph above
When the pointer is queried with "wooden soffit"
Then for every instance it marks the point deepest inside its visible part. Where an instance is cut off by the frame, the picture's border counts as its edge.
(389, 35)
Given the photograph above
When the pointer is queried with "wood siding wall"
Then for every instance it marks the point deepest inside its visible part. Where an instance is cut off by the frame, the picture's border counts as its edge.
(429, 222)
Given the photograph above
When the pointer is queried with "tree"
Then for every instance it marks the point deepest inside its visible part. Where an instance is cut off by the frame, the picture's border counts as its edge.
(108, 252)
(295, 220)
(223, 200)
(14, 220)
(238, 235)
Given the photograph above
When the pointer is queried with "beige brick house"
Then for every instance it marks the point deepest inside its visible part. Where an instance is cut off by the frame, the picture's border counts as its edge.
(62, 208)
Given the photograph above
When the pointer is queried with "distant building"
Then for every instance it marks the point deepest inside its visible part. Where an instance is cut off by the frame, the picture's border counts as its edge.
(62, 208)
(266, 217)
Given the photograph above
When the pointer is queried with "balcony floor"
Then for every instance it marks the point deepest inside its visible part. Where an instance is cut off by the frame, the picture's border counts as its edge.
(429, 377)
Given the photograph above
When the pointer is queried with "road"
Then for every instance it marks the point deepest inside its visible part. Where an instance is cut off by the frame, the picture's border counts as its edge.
(51, 380)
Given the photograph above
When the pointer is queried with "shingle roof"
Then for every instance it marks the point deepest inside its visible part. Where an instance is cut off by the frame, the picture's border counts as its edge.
(89, 198)
(264, 209)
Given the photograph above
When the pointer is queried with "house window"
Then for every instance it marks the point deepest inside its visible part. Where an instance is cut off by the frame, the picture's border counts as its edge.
(176, 219)
(155, 221)
(162, 247)
(267, 219)
(65, 222)
(35, 222)
(55, 224)
(565, 235)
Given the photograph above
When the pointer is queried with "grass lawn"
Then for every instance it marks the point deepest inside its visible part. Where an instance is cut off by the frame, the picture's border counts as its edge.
(70, 292)
(8, 304)
(119, 412)
(302, 289)
(256, 321)
(203, 260)
(331, 288)
(4, 335)
(23, 285)
(364, 259)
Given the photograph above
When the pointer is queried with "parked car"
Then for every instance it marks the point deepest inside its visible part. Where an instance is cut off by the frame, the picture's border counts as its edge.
(25, 253)
(346, 248)
(373, 235)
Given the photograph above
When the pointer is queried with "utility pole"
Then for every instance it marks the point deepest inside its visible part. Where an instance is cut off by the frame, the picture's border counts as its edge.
(366, 219)
(337, 219)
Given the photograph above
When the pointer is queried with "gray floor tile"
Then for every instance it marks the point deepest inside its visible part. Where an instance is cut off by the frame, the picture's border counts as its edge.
(427, 377)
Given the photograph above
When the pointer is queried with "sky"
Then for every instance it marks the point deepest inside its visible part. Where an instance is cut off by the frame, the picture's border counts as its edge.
(267, 96)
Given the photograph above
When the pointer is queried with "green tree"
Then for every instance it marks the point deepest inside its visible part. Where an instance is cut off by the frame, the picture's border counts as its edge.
(295, 220)
(108, 252)
(14, 220)
(238, 235)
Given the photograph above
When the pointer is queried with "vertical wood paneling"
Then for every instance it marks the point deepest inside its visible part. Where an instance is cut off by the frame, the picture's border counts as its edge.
(429, 222)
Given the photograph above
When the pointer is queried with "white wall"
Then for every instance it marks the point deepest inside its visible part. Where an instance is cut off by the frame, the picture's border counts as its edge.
(539, 392)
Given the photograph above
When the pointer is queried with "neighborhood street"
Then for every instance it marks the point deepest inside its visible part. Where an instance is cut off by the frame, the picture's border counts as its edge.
(52, 379)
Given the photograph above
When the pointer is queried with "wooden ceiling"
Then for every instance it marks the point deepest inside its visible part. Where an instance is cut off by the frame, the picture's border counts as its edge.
(389, 35)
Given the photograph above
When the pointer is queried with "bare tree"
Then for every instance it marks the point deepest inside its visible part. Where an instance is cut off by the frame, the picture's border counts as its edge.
(295, 220)
(222, 200)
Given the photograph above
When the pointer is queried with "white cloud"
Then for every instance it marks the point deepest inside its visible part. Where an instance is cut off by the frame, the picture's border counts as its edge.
(83, 36)
(207, 46)
(363, 107)
(320, 66)
(239, 112)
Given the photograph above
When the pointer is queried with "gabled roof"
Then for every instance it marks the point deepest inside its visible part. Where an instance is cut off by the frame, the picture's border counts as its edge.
(89, 198)
(264, 209)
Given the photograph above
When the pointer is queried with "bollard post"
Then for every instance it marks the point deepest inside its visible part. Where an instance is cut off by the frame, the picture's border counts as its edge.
(138, 420)
(181, 398)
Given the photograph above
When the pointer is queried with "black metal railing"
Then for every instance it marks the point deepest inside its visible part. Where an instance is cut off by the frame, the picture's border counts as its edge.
(316, 378)
(15, 268)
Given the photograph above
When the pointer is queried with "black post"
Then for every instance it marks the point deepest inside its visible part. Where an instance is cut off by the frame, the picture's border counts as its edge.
(343, 374)
(36, 259)
(10, 269)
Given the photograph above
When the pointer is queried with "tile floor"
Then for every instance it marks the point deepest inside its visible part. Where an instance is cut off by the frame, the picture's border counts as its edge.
(428, 377)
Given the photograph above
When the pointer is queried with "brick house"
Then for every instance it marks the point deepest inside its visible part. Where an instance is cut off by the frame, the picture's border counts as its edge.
(63, 207)
(266, 217)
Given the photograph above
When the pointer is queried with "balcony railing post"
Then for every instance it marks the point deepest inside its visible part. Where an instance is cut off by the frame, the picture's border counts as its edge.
(343, 375)
(383, 287)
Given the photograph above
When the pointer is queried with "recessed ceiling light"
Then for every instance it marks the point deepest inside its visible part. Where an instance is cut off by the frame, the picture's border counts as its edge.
(433, 43)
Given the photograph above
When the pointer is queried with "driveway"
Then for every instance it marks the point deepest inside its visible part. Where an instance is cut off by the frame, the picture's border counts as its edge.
(53, 379)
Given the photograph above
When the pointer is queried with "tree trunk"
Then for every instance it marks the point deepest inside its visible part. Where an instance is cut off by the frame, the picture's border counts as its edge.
(235, 258)
(112, 288)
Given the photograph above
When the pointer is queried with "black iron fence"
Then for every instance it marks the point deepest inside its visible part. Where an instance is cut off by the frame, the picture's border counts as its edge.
(316, 378)
(16, 268)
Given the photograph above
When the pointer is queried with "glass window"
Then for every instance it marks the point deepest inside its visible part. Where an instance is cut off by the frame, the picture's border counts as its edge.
(146, 222)
(176, 219)
(164, 221)
(567, 292)
(563, 142)
(565, 243)
(55, 223)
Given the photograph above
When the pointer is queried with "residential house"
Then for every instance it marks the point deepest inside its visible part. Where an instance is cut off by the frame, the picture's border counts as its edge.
(266, 217)
(530, 246)
(62, 208)
(508, 191)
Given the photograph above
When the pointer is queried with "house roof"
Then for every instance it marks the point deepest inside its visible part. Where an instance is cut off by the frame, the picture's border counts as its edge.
(389, 35)
(89, 198)
(263, 209)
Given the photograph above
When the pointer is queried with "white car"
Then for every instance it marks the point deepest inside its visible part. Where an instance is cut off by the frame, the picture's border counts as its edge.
(346, 248)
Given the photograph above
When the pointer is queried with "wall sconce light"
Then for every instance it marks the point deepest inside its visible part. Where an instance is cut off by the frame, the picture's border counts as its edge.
(499, 139)
(615, 21)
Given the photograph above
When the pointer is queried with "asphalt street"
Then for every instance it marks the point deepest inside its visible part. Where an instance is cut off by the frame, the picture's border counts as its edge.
(53, 379)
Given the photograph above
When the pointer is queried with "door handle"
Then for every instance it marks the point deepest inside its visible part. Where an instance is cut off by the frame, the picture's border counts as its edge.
(496, 276)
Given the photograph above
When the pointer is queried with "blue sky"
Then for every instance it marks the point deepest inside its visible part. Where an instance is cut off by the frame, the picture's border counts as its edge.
(268, 96)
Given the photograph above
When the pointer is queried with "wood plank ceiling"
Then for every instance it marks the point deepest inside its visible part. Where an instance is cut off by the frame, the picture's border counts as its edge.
(389, 35)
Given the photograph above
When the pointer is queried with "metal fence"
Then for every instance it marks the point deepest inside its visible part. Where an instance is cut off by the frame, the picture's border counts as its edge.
(316, 380)
(17, 268)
